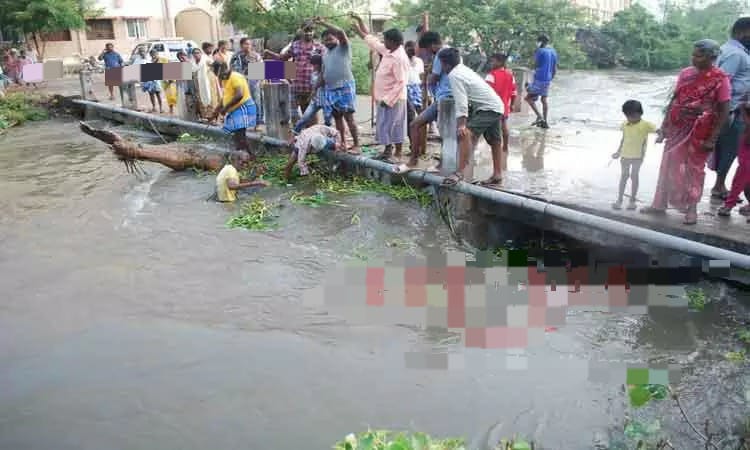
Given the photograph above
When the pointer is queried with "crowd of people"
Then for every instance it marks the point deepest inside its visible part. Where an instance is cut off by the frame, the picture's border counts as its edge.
(705, 125)
(13, 62)
(410, 80)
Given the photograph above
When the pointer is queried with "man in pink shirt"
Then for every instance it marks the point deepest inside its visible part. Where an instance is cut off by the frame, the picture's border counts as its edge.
(389, 89)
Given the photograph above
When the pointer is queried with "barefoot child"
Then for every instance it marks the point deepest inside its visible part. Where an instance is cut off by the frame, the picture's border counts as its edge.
(502, 81)
(741, 180)
(311, 140)
(632, 149)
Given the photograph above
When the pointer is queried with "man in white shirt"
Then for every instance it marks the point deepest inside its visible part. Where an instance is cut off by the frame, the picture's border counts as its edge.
(479, 111)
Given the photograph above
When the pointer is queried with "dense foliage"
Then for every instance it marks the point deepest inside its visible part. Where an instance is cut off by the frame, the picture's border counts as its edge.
(634, 38)
(34, 18)
(511, 26)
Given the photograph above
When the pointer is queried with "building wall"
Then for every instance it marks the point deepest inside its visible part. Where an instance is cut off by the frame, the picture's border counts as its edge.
(153, 12)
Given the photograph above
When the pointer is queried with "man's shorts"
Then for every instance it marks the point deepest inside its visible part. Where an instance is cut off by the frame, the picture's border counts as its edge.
(538, 89)
(430, 114)
(487, 124)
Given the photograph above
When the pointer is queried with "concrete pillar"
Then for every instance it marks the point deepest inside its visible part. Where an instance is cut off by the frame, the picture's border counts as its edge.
(187, 107)
(128, 96)
(275, 100)
(87, 85)
(522, 76)
(449, 152)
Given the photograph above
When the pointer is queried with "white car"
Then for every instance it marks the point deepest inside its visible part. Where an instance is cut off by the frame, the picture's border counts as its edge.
(167, 48)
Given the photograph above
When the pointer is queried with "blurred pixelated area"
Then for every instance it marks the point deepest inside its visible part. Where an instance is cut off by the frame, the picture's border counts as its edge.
(496, 300)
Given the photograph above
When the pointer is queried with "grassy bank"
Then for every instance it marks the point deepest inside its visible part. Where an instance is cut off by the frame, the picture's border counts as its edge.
(18, 108)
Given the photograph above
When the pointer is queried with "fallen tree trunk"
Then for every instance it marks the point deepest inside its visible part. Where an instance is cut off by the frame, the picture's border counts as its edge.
(175, 156)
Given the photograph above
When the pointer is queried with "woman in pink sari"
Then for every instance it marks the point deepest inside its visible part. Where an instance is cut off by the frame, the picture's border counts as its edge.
(695, 115)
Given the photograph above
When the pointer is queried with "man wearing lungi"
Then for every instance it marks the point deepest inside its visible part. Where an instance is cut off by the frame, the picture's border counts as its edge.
(389, 88)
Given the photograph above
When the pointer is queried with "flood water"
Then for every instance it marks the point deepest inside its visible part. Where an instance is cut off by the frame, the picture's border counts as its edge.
(132, 317)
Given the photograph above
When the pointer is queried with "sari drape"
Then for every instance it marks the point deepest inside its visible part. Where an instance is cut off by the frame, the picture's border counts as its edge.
(682, 171)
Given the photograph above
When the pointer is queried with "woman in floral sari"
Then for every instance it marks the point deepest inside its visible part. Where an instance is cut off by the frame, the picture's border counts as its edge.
(696, 112)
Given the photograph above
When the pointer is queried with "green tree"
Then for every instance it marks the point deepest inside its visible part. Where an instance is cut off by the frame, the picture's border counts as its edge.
(284, 16)
(504, 25)
(34, 18)
(640, 41)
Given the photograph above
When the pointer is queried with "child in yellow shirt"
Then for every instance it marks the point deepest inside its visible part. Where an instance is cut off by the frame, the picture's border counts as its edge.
(632, 149)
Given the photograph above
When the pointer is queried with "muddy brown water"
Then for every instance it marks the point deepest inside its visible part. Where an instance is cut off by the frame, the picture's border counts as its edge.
(132, 317)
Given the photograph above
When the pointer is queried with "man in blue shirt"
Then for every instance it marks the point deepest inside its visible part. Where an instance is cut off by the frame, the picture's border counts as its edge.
(111, 60)
(734, 60)
(439, 86)
(546, 69)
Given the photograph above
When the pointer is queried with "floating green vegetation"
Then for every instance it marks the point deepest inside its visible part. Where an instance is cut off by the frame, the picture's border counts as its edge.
(392, 440)
(696, 298)
(641, 394)
(187, 138)
(316, 200)
(19, 107)
(340, 185)
(255, 215)
(744, 336)
(738, 356)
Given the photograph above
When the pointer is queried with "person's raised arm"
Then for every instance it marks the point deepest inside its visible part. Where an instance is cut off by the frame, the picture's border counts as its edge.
(338, 32)
(359, 26)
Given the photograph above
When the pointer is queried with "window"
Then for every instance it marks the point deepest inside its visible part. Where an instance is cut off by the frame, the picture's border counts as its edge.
(157, 47)
(63, 35)
(99, 29)
(136, 28)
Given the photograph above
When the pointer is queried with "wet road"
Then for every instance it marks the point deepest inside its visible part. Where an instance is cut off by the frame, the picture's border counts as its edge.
(133, 318)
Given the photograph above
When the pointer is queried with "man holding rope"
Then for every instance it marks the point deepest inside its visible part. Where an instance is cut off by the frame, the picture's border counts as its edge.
(389, 88)
(340, 89)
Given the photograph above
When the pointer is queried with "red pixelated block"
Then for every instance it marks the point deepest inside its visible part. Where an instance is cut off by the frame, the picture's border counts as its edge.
(537, 316)
(537, 287)
(506, 337)
(476, 338)
(455, 275)
(375, 281)
(435, 275)
(415, 296)
(578, 280)
(617, 296)
(415, 276)
(456, 306)
(616, 276)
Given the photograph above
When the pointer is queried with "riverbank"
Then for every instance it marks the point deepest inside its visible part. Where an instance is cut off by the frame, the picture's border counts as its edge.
(135, 318)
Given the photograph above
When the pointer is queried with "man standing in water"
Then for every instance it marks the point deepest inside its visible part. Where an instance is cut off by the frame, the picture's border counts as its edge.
(735, 62)
(545, 71)
(340, 89)
(228, 180)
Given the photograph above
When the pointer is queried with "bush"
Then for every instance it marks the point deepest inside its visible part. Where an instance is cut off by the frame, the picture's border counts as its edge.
(19, 107)
(360, 69)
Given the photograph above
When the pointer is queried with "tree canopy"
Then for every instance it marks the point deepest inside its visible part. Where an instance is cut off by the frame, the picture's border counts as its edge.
(45, 16)
(511, 26)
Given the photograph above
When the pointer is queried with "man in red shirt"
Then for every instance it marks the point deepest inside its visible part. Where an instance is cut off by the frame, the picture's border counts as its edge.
(501, 80)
